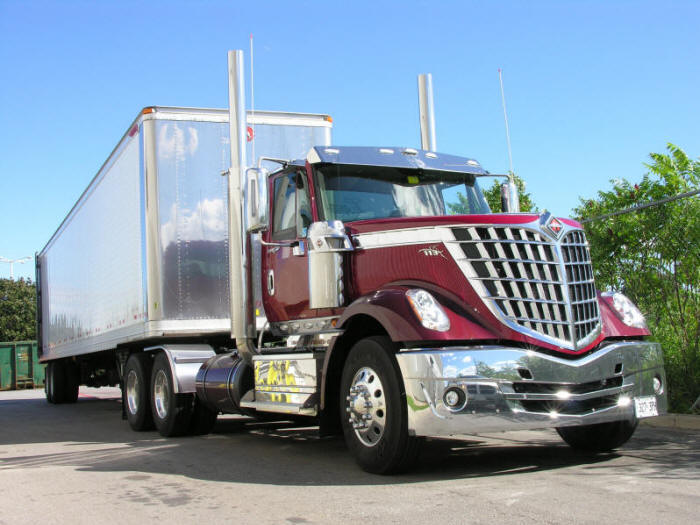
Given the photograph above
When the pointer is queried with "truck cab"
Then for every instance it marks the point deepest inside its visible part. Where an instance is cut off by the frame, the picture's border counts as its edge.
(385, 266)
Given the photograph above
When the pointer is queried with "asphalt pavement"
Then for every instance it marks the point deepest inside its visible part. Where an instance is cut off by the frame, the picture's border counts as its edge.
(82, 464)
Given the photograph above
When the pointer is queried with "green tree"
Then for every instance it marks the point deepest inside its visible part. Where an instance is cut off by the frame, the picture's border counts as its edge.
(17, 310)
(653, 256)
(493, 196)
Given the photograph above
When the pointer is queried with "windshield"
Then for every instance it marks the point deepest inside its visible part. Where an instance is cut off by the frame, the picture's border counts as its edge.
(356, 193)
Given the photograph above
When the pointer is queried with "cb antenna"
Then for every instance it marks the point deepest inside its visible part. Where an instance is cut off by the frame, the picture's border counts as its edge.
(505, 117)
(252, 107)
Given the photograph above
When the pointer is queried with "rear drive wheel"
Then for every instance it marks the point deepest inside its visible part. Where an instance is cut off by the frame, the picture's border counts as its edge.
(602, 437)
(171, 412)
(137, 381)
(373, 408)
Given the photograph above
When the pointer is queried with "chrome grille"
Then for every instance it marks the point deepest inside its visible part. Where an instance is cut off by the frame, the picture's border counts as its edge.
(532, 282)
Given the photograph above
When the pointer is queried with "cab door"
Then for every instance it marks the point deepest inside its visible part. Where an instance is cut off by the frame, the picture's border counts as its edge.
(285, 253)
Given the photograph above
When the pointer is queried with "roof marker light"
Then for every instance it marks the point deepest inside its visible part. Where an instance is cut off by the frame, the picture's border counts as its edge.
(410, 151)
(431, 155)
(472, 162)
(332, 151)
(386, 151)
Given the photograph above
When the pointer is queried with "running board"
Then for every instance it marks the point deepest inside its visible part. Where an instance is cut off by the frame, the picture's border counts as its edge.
(285, 384)
(307, 408)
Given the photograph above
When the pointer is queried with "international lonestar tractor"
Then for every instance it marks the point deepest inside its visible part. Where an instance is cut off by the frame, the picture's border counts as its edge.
(367, 290)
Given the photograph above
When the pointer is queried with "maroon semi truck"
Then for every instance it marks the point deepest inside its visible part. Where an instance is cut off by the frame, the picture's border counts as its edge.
(367, 290)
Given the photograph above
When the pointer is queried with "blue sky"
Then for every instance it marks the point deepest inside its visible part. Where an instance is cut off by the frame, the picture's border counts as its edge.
(592, 87)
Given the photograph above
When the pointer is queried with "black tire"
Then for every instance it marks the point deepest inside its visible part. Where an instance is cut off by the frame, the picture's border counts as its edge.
(137, 388)
(55, 382)
(72, 383)
(203, 418)
(602, 437)
(171, 412)
(383, 445)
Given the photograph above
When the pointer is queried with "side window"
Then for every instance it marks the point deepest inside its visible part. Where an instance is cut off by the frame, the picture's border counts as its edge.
(292, 207)
(303, 206)
(283, 220)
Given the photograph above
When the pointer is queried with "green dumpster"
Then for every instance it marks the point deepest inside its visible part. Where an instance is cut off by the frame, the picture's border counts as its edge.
(19, 366)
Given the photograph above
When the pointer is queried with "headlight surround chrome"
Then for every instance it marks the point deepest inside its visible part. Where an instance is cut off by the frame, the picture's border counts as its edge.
(626, 310)
(428, 310)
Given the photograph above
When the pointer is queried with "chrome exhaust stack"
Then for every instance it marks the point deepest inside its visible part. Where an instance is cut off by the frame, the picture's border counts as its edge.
(240, 304)
(426, 112)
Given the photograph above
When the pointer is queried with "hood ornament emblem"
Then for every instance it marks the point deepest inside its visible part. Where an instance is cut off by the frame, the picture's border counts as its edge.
(551, 224)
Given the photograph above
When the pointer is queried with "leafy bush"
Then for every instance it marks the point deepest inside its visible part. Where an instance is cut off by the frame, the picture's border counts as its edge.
(653, 256)
(17, 310)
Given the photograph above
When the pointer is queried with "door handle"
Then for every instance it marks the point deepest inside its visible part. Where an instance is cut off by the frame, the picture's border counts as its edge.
(271, 282)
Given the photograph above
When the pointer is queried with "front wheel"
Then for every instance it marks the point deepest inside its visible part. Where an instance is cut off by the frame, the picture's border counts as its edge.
(373, 408)
(602, 437)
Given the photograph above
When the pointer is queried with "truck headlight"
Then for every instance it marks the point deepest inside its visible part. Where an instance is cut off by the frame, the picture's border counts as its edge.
(626, 309)
(428, 310)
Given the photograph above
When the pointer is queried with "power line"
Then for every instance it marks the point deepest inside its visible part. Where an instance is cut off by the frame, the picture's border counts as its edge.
(642, 206)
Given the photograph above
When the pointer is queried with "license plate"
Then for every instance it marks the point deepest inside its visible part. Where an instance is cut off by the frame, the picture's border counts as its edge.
(645, 406)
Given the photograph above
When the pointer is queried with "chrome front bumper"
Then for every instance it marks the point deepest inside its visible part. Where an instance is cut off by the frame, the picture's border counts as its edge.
(502, 388)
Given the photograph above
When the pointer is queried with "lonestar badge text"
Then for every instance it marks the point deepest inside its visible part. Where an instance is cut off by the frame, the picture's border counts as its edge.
(432, 251)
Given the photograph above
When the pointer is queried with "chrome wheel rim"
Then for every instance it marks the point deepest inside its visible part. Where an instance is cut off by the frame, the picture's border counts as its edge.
(132, 391)
(161, 395)
(366, 406)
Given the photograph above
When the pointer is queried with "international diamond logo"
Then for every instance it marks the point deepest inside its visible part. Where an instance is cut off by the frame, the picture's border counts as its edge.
(555, 226)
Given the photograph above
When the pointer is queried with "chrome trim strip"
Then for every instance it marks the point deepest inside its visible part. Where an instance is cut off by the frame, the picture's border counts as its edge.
(572, 397)
(310, 325)
(404, 237)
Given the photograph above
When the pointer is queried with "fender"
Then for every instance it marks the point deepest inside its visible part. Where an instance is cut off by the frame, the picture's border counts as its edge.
(185, 361)
(389, 308)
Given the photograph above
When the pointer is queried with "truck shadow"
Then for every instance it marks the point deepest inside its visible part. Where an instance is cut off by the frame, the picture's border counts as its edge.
(90, 436)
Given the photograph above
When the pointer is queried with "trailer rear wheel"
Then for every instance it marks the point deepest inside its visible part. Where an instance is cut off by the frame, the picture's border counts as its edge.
(137, 382)
(602, 437)
(373, 408)
(171, 412)
(55, 382)
(72, 381)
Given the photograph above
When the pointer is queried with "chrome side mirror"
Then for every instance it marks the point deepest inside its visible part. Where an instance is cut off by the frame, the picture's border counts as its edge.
(256, 199)
(510, 200)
